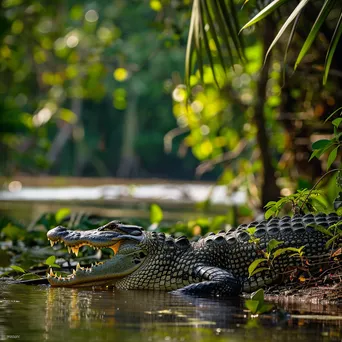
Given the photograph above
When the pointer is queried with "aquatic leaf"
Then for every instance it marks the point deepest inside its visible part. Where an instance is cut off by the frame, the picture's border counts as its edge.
(258, 295)
(62, 214)
(252, 305)
(156, 213)
(17, 268)
(29, 276)
(265, 308)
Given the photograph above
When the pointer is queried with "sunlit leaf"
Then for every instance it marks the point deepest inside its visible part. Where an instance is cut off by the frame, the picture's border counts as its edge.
(281, 251)
(156, 213)
(252, 267)
(62, 214)
(17, 269)
(264, 13)
(272, 244)
(50, 260)
(289, 20)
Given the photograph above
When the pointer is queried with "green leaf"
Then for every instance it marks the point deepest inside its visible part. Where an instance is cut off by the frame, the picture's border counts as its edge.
(317, 145)
(336, 122)
(264, 13)
(156, 213)
(17, 268)
(325, 10)
(315, 153)
(289, 20)
(270, 212)
(332, 47)
(251, 230)
(265, 308)
(330, 241)
(252, 267)
(281, 251)
(50, 260)
(332, 157)
(270, 204)
(273, 244)
(62, 214)
(322, 230)
(258, 296)
(252, 305)
(29, 276)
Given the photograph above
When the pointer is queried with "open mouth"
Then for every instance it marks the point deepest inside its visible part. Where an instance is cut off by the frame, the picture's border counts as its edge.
(122, 239)
(75, 249)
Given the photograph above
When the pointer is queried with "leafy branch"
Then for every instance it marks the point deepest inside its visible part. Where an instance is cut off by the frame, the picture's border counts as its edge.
(271, 253)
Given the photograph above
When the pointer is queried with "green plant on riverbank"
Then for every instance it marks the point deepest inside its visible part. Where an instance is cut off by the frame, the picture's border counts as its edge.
(256, 305)
(270, 254)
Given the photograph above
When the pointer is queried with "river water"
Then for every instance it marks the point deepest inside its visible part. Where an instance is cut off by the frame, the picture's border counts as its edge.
(42, 313)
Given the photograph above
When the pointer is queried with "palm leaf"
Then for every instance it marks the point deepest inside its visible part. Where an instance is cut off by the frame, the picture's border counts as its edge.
(288, 21)
(327, 7)
(264, 13)
(213, 24)
(332, 47)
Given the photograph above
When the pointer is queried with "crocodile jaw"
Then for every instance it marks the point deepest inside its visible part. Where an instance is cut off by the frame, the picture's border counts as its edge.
(124, 240)
(106, 273)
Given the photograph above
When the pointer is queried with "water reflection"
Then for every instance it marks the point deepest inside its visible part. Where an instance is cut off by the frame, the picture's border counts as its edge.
(30, 313)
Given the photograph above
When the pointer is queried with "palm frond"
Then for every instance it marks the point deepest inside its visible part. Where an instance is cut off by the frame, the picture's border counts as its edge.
(214, 31)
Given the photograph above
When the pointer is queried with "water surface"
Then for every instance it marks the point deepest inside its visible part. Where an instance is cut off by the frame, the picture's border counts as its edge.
(42, 313)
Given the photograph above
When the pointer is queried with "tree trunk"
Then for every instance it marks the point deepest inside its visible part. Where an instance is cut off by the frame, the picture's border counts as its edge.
(129, 163)
(269, 188)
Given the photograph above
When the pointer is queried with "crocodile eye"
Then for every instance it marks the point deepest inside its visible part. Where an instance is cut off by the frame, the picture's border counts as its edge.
(109, 226)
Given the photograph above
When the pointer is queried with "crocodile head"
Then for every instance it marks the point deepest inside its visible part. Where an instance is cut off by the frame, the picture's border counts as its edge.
(126, 241)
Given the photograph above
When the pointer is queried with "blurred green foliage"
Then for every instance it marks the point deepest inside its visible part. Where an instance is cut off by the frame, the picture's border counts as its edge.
(68, 74)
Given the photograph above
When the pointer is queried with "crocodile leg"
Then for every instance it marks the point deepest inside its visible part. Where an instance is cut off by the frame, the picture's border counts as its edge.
(214, 281)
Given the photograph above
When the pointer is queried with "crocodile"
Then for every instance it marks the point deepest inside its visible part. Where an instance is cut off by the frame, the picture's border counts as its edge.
(214, 265)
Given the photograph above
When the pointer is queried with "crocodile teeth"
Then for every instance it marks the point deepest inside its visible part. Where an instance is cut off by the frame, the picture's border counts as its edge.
(69, 249)
(51, 243)
(78, 266)
(73, 272)
(51, 272)
(75, 250)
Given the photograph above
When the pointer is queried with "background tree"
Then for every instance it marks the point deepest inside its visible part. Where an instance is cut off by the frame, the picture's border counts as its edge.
(283, 110)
